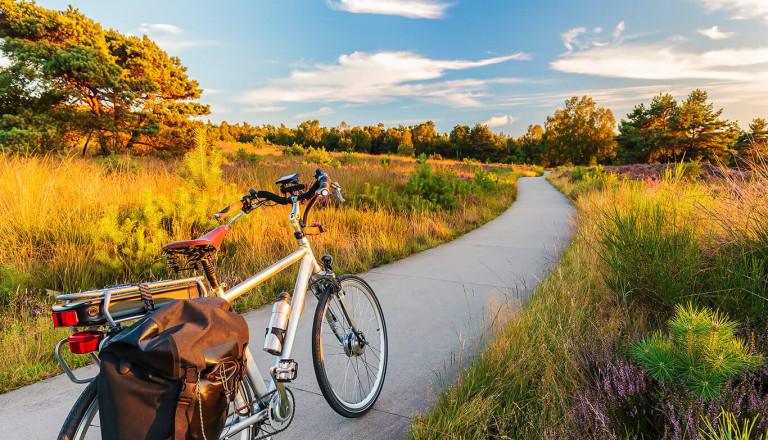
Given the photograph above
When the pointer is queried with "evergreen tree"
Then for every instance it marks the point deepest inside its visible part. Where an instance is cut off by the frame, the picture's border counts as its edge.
(699, 131)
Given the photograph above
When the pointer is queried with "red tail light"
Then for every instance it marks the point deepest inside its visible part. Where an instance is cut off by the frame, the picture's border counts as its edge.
(84, 342)
(65, 319)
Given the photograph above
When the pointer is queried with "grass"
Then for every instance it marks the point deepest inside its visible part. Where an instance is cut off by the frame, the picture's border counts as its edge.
(73, 224)
(561, 367)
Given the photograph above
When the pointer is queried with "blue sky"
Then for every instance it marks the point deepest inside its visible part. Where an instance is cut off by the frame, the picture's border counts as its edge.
(508, 63)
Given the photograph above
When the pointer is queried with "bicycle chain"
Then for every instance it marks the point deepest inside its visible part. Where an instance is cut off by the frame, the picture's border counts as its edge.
(268, 396)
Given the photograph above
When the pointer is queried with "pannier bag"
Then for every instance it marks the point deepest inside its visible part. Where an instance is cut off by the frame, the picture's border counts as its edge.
(172, 374)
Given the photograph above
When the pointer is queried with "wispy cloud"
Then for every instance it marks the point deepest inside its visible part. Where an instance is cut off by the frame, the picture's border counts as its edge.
(714, 33)
(322, 111)
(500, 121)
(170, 37)
(581, 38)
(263, 109)
(363, 77)
(150, 28)
(742, 9)
(731, 74)
(405, 8)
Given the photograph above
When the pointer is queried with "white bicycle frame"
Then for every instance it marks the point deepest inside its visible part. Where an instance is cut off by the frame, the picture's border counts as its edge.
(307, 269)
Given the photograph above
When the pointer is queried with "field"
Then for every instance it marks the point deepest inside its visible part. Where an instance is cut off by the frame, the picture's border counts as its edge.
(653, 326)
(72, 224)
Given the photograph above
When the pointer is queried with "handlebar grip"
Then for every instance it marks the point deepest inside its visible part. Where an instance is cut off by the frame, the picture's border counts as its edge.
(226, 211)
(322, 183)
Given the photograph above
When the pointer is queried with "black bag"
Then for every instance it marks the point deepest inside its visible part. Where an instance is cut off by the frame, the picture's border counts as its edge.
(158, 374)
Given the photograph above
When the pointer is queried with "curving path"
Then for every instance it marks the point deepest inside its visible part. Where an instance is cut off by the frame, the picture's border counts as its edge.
(435, 304)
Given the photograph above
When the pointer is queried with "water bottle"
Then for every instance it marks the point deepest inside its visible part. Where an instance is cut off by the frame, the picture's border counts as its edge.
(273, 344)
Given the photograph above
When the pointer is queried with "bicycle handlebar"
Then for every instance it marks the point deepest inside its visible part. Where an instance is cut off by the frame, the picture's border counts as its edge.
(321, 187)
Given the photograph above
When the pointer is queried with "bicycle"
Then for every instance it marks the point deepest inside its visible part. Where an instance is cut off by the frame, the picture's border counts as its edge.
(348, 327)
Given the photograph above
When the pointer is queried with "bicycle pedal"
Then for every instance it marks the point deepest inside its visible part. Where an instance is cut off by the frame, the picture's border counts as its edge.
(286, 371)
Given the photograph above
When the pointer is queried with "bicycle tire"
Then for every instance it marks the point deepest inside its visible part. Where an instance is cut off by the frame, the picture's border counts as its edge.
(79, 411)
(337, 403)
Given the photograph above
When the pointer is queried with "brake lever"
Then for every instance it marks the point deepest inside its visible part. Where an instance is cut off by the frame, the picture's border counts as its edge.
(337, 187)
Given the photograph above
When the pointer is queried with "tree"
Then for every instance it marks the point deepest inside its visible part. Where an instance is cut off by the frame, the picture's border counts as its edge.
(459, 138)
(485, 145)
(753, 144)
(580, 133)
(530, 145)
(699, 131)
(646, 136)
(126, 90)
(309, 133)
(423, 137)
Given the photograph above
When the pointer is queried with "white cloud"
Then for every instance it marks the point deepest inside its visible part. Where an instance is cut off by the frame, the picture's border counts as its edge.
(405, 8)
(322, 111)
(662, 62)
(263, 108)
(619, 30)
(500, 121)
(714, 33)
(743, 9)
(569, 38)
(157, 28)
(171, 38)
(736, 75)
(363, 77)
(582, 38)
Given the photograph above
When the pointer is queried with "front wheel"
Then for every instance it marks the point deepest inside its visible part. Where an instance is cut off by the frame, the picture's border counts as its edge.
(350, 363)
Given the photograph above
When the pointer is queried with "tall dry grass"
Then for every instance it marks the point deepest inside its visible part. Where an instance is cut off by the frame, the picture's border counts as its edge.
(640, 248)
(73, 224)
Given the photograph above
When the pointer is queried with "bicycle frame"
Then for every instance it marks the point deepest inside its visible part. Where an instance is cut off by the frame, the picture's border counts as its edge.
(307, 268)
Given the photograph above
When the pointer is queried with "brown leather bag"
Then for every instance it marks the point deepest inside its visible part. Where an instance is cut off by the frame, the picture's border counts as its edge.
(158, 374)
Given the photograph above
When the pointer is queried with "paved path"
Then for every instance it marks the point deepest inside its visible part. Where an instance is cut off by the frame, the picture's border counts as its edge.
(435, 304)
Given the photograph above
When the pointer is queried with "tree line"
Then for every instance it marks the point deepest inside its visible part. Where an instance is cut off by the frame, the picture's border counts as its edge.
(70, 82)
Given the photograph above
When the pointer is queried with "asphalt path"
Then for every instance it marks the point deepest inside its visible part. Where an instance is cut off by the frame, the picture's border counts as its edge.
(436, 304)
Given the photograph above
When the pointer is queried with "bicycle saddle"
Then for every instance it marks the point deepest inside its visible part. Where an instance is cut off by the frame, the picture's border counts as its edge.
(212, 238)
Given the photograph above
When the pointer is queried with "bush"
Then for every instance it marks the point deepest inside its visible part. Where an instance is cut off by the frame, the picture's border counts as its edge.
(115, 163)
(435, 156)
(251, 158)
(202, 166)
(433, 190)
(484, 180)
(701, 351)
(319, 156)
(405, 149)
(259, 142)
(294, 150)
(348, 158)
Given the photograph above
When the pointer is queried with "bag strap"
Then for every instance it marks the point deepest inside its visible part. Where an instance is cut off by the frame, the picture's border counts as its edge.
(185, 408)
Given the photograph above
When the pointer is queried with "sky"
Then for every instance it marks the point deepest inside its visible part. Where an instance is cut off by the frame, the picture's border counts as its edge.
(505, 63)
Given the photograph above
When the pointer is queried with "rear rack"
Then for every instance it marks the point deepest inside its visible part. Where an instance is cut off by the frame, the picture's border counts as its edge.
(113, 305)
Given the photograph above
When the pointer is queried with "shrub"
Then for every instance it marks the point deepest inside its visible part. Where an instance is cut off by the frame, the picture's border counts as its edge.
(436, 190)
(259, 142)
(348, 158)
(294, 150)
(726, 427)
(435, 156)
(385, 161)
(115, 163)
(202, 166)
(701, 351)
(484, 180)
(405, 149)
(319, 156)
(12, 282)
(251, 158)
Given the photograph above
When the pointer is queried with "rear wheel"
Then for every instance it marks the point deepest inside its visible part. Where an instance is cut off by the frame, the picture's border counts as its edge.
(82, 421)
(350, 365)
